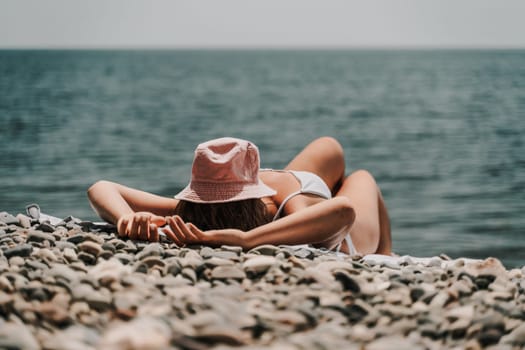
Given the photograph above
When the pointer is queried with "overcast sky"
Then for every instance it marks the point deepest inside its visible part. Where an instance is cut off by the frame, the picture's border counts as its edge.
(264, 23)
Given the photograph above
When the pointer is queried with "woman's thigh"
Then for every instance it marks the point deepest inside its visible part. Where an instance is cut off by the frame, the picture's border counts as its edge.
(362, 190)
(324, 157)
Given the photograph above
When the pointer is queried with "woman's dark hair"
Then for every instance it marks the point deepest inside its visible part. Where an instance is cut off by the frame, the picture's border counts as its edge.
(243, 215)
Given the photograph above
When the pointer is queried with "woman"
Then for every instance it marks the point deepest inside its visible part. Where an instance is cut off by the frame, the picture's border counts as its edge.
(231, 201)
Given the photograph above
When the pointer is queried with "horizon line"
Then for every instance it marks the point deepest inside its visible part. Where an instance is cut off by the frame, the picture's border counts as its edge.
(262, 47)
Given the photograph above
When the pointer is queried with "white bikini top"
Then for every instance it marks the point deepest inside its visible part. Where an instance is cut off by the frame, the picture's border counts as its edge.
(310, 183)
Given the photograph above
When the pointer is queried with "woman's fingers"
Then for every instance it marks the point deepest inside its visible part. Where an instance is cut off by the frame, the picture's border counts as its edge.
(185, 228)
(134, 229)
(145, 227)
(153, 233)
(158, 220)
(172, 236)
(122, 227)
(143, 232)
(180, 230)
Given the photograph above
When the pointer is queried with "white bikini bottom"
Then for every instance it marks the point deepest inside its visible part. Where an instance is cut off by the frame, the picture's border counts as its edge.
(349, 243)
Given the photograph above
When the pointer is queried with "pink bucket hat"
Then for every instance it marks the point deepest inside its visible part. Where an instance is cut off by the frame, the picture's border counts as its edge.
(225, 170)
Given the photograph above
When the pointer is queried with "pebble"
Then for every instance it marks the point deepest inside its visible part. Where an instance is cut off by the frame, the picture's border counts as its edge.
(39, 236)
(17, 336)
(23, 250)
(90, 247)
(266, 249)
(259, 264)
(72, 286)
(8, 219)
(139, 333)
(24, 221)
(227, 272)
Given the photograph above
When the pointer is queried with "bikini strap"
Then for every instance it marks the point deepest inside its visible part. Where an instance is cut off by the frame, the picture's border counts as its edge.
(281, 207)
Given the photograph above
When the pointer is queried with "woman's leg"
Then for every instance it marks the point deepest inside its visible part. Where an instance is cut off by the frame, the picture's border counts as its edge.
(371, 229)
(324, 157)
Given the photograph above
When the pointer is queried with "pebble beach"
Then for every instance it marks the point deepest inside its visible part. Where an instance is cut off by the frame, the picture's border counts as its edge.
(77, 285)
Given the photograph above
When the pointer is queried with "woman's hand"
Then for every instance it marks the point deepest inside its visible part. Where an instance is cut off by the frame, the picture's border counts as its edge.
(141, 225)
(187, 233)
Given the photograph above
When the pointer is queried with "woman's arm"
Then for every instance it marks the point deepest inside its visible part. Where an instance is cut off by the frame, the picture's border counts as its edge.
(112, 201)
(323, 223)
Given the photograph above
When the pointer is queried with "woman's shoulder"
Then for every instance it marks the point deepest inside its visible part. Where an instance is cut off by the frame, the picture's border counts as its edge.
(280, 180)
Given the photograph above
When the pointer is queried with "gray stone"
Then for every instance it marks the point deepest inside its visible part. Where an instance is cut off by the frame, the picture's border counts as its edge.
(17, 336)
(206, 252)
(6, 285)
(190, 274)
(62, 244)
(124, 258)
(393, 342)
(90, 247)
(87, 258)
(39, 236)
(152, 249)
(109, 271)
(45, 254)
(266, 249)
(77, 238)
(227, 272)
(24, 221)
(140, 333)
(23, 250)
(173, 266)
(516, 337)
(222, 334)
(70, 254)
(60, 271)
(46, 227)
(225, 254)
(99, 300)
(214, 261)
(232, 248)
(347, 281)
(76, 337)
(259, 264)
(8, 219)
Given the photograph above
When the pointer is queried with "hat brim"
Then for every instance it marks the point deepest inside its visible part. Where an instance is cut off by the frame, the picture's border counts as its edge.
(200, 192)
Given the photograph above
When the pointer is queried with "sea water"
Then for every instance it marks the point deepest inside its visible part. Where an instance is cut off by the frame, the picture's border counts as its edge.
(442, 131)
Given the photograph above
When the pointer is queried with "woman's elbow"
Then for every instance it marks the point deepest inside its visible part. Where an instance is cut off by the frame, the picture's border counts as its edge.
(98, 186)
